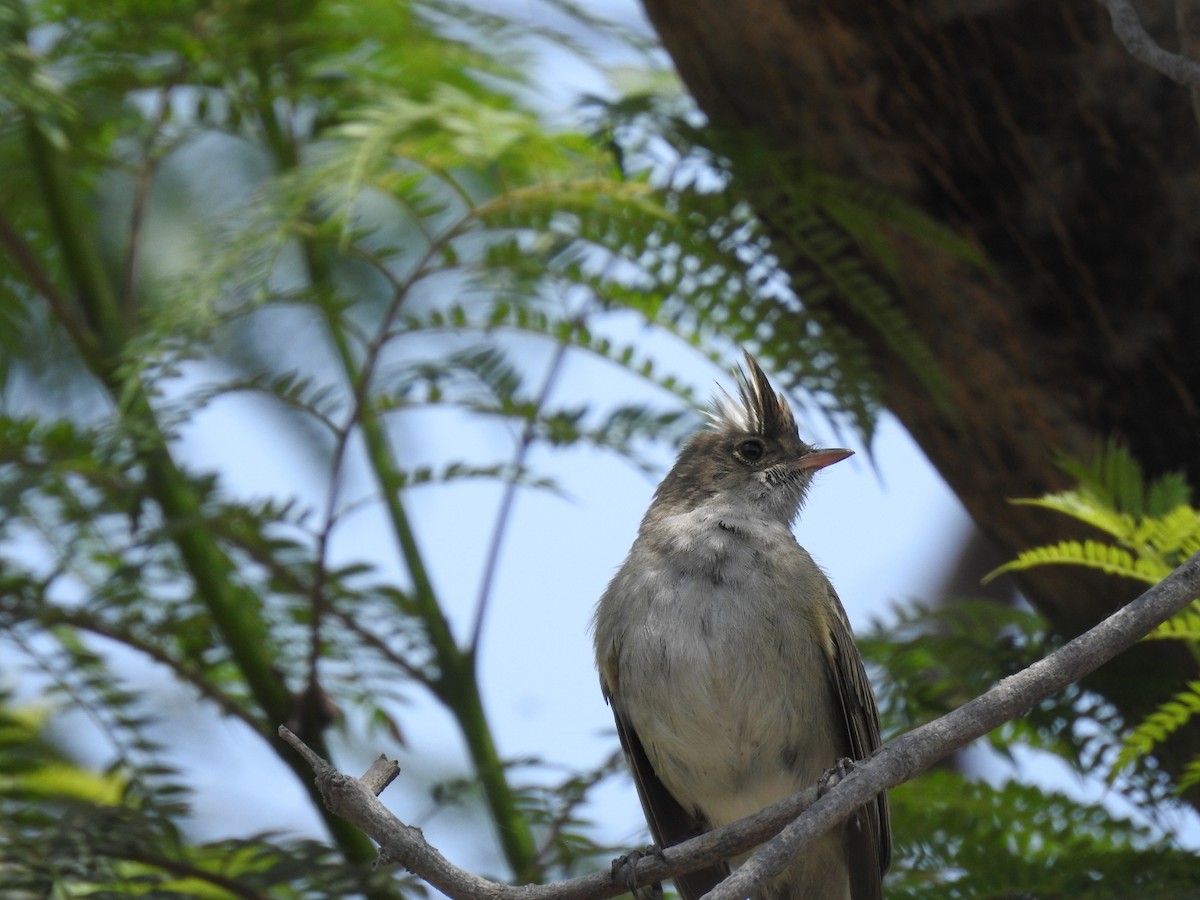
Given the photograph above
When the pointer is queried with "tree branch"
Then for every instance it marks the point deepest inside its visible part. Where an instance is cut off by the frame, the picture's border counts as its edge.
(1128, 27)
(27, 261)
(1187, 25)
(896, 762)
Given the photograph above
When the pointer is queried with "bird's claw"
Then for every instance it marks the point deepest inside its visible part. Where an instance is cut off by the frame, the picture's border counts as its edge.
(624, 868)
(834, 774)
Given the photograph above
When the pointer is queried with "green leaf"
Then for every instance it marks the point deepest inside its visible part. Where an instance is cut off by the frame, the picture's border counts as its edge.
(1168, 718)
(1090, 554)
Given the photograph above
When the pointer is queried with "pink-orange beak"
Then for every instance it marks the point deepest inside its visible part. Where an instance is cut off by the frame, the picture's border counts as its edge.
(819, 459)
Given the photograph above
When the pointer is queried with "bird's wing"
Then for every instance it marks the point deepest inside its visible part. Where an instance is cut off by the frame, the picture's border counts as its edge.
(869, 831)
(669, 822)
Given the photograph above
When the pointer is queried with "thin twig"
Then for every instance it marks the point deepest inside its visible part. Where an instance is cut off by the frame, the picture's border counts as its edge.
(371, 639)
(1128, 27)
(1187, 24)
(507, 501)
(321, 554)
(142, 181)
(518, 466)
(554, 828)
(28, 262)
(205, 687)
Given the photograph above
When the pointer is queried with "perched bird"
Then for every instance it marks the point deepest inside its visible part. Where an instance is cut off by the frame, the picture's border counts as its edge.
(727, 657)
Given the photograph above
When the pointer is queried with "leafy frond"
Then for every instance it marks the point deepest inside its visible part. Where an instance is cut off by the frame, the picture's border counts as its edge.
(769, 295)
(1113, 479)
(960, 838)
(1183, 626)
(1154, 528)
(1174, 535)
(827, 240)
(1191, 775)
(1157, 727)
(835, 238)
(1153, 525)
(1086, 508)
(860, 208)
(935, 658)
(1090, 554)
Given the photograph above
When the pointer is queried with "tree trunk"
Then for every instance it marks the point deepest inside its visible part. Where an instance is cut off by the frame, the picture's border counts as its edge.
(1026, 127)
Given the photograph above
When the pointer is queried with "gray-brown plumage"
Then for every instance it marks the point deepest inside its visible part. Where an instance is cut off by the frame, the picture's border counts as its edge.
(727, 657)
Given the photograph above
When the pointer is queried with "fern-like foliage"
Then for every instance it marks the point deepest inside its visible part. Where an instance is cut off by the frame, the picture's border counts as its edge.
(934, 659)
(1091, 554)
(1160, 725)
(826, 243)
(958, 835)
(1150, 528)
(962, 838)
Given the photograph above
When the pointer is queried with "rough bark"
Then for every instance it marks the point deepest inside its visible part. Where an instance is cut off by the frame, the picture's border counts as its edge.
(1024, 125)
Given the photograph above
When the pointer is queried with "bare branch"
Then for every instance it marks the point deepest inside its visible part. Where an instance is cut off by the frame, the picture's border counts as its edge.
(399, 843)
(1187, 25)
(382, 773)
(896, 762)
(1142, 47)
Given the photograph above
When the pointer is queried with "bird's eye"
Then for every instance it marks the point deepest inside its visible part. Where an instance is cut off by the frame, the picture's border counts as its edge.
(751, 450)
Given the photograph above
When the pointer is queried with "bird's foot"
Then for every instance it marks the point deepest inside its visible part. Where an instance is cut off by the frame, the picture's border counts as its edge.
(834, 774)
(624, 869)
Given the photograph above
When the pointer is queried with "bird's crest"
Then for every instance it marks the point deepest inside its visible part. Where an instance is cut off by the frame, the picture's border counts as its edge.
(758, 408)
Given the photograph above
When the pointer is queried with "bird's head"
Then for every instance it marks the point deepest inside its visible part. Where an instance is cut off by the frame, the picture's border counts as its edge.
(750, 458)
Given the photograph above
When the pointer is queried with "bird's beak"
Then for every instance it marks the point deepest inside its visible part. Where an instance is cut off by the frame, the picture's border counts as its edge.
(819, 459)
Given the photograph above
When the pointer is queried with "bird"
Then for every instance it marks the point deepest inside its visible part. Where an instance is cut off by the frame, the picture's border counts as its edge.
(727, 658)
